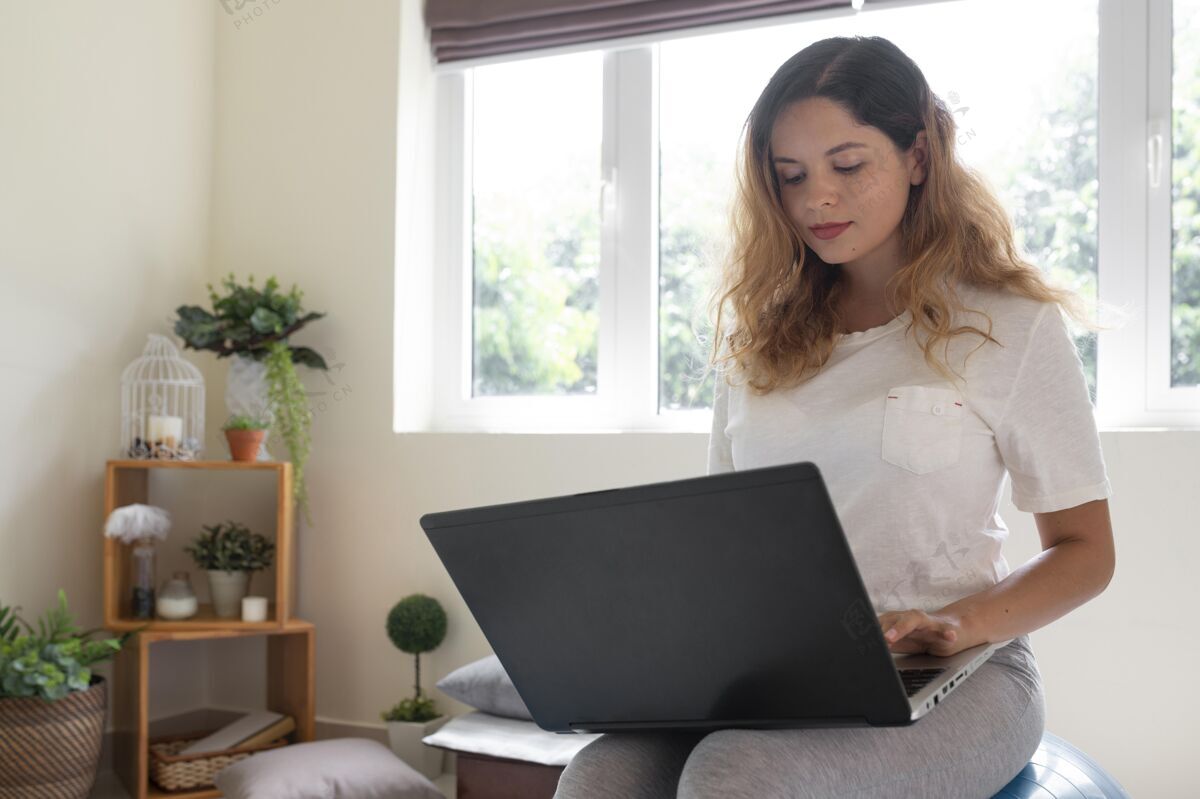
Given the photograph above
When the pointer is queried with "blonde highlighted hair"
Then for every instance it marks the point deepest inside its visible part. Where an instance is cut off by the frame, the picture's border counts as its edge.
(783, 299)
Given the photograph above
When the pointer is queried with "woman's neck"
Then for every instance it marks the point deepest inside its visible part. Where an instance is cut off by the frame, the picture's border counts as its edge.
(867, 275)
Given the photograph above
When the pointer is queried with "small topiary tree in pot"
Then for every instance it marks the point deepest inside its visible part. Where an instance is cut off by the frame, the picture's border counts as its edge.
(416, 624)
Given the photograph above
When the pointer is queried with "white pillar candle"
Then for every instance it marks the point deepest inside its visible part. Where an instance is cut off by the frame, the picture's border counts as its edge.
(166, 430)
(254, 608)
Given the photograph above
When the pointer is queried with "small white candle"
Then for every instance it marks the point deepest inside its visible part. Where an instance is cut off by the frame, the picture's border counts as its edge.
(167, 430)
(254, 608)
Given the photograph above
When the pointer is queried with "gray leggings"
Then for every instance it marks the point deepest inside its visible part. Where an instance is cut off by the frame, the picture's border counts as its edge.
(971, 745)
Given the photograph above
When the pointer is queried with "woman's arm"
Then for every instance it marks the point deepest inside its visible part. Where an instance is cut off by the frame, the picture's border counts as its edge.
(1076, 564)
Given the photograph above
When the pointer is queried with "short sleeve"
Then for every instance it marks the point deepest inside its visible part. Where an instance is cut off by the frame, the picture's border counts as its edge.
(720, 448)
(1047, 433)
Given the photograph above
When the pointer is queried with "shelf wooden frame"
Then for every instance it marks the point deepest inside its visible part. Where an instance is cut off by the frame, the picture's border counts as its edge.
(291, 690)
(128, 481)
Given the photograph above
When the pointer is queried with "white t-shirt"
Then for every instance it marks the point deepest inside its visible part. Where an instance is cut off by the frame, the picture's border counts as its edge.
(914, 466)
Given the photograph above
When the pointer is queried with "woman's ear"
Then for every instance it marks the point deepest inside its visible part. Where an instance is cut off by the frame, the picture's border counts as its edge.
(918, 159)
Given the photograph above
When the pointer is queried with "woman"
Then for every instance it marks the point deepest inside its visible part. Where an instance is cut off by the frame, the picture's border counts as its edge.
(861, 247)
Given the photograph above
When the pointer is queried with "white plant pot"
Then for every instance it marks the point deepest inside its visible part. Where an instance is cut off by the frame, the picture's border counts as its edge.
(246, 393)
(227, 590)
(405, 738)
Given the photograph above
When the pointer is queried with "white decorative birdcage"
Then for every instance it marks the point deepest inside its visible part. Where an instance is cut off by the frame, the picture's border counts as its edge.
(162, 405)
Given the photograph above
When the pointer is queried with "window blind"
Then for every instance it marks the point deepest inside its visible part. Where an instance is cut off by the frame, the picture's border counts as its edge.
(463, 29)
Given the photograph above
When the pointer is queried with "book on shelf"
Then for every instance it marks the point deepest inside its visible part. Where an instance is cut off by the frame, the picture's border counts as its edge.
(254, 728)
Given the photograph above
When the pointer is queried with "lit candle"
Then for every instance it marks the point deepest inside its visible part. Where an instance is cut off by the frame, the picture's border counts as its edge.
(165, 430)
(254, 608)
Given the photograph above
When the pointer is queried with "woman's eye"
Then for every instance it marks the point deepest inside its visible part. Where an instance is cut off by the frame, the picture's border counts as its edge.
(845, 170)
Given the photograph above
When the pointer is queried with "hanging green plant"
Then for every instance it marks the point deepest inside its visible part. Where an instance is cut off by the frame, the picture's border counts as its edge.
(256, 323)
(293, 419)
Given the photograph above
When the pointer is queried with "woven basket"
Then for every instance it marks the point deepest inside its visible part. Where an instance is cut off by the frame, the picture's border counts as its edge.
(173, 772)
(51, 749)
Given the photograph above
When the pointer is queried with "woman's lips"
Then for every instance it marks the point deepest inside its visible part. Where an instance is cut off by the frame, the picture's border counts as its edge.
(831, 232)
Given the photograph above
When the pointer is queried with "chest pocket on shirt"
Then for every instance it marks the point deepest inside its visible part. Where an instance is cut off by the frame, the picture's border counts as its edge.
(922, 427)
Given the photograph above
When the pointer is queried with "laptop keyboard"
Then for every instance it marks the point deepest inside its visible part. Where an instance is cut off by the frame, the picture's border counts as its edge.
(916, 679)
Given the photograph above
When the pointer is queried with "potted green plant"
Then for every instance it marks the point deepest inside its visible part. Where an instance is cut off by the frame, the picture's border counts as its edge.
(51, 704)
(416, 624)
(245, 435)
(252, 326)
(230, 553)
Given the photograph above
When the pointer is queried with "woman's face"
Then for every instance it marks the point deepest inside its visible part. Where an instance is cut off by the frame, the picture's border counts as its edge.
(831, 169)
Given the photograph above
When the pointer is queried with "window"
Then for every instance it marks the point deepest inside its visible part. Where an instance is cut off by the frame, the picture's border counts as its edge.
(586, 192)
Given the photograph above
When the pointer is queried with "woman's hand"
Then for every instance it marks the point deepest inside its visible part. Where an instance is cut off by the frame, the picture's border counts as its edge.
(915, 632)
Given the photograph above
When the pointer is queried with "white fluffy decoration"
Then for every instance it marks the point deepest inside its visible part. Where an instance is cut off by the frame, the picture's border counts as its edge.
(135, 522)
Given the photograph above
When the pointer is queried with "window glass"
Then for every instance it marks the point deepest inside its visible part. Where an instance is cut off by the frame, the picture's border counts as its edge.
(1185, 195)
(536, 225)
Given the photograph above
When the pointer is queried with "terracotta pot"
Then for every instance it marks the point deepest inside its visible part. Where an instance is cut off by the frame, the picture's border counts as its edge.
(51, 748)
(244, 444)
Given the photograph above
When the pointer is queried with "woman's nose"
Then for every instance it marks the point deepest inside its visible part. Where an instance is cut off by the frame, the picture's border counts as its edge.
(821, 195)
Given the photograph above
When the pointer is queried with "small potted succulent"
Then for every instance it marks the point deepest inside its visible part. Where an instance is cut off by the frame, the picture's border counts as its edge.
(230, 554)
(52, 702)
(245, 435)
(416, 624)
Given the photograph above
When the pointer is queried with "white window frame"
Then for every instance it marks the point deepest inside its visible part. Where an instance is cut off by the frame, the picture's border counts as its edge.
(1134, 104)
(1160, 396)
(626, 395)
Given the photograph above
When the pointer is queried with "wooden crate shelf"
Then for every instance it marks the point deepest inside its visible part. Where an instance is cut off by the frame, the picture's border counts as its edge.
(128, 481)
(291, 690)
(290, 644)
(205, 619)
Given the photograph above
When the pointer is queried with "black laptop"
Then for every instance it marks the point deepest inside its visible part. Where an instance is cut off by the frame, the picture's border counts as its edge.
(728, 600)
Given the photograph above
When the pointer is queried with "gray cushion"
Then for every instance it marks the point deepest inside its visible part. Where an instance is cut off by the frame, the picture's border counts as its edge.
(485, 685)
(348, 768)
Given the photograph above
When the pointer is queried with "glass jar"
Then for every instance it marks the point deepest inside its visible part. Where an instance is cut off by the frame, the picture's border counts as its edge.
(142, 579)
(177, 600)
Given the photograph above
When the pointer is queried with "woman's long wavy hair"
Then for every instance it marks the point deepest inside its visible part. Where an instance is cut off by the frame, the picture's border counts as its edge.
(783, 299)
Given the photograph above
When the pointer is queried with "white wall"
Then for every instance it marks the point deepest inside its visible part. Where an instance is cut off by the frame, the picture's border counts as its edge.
(105, 183)
(106, 225)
